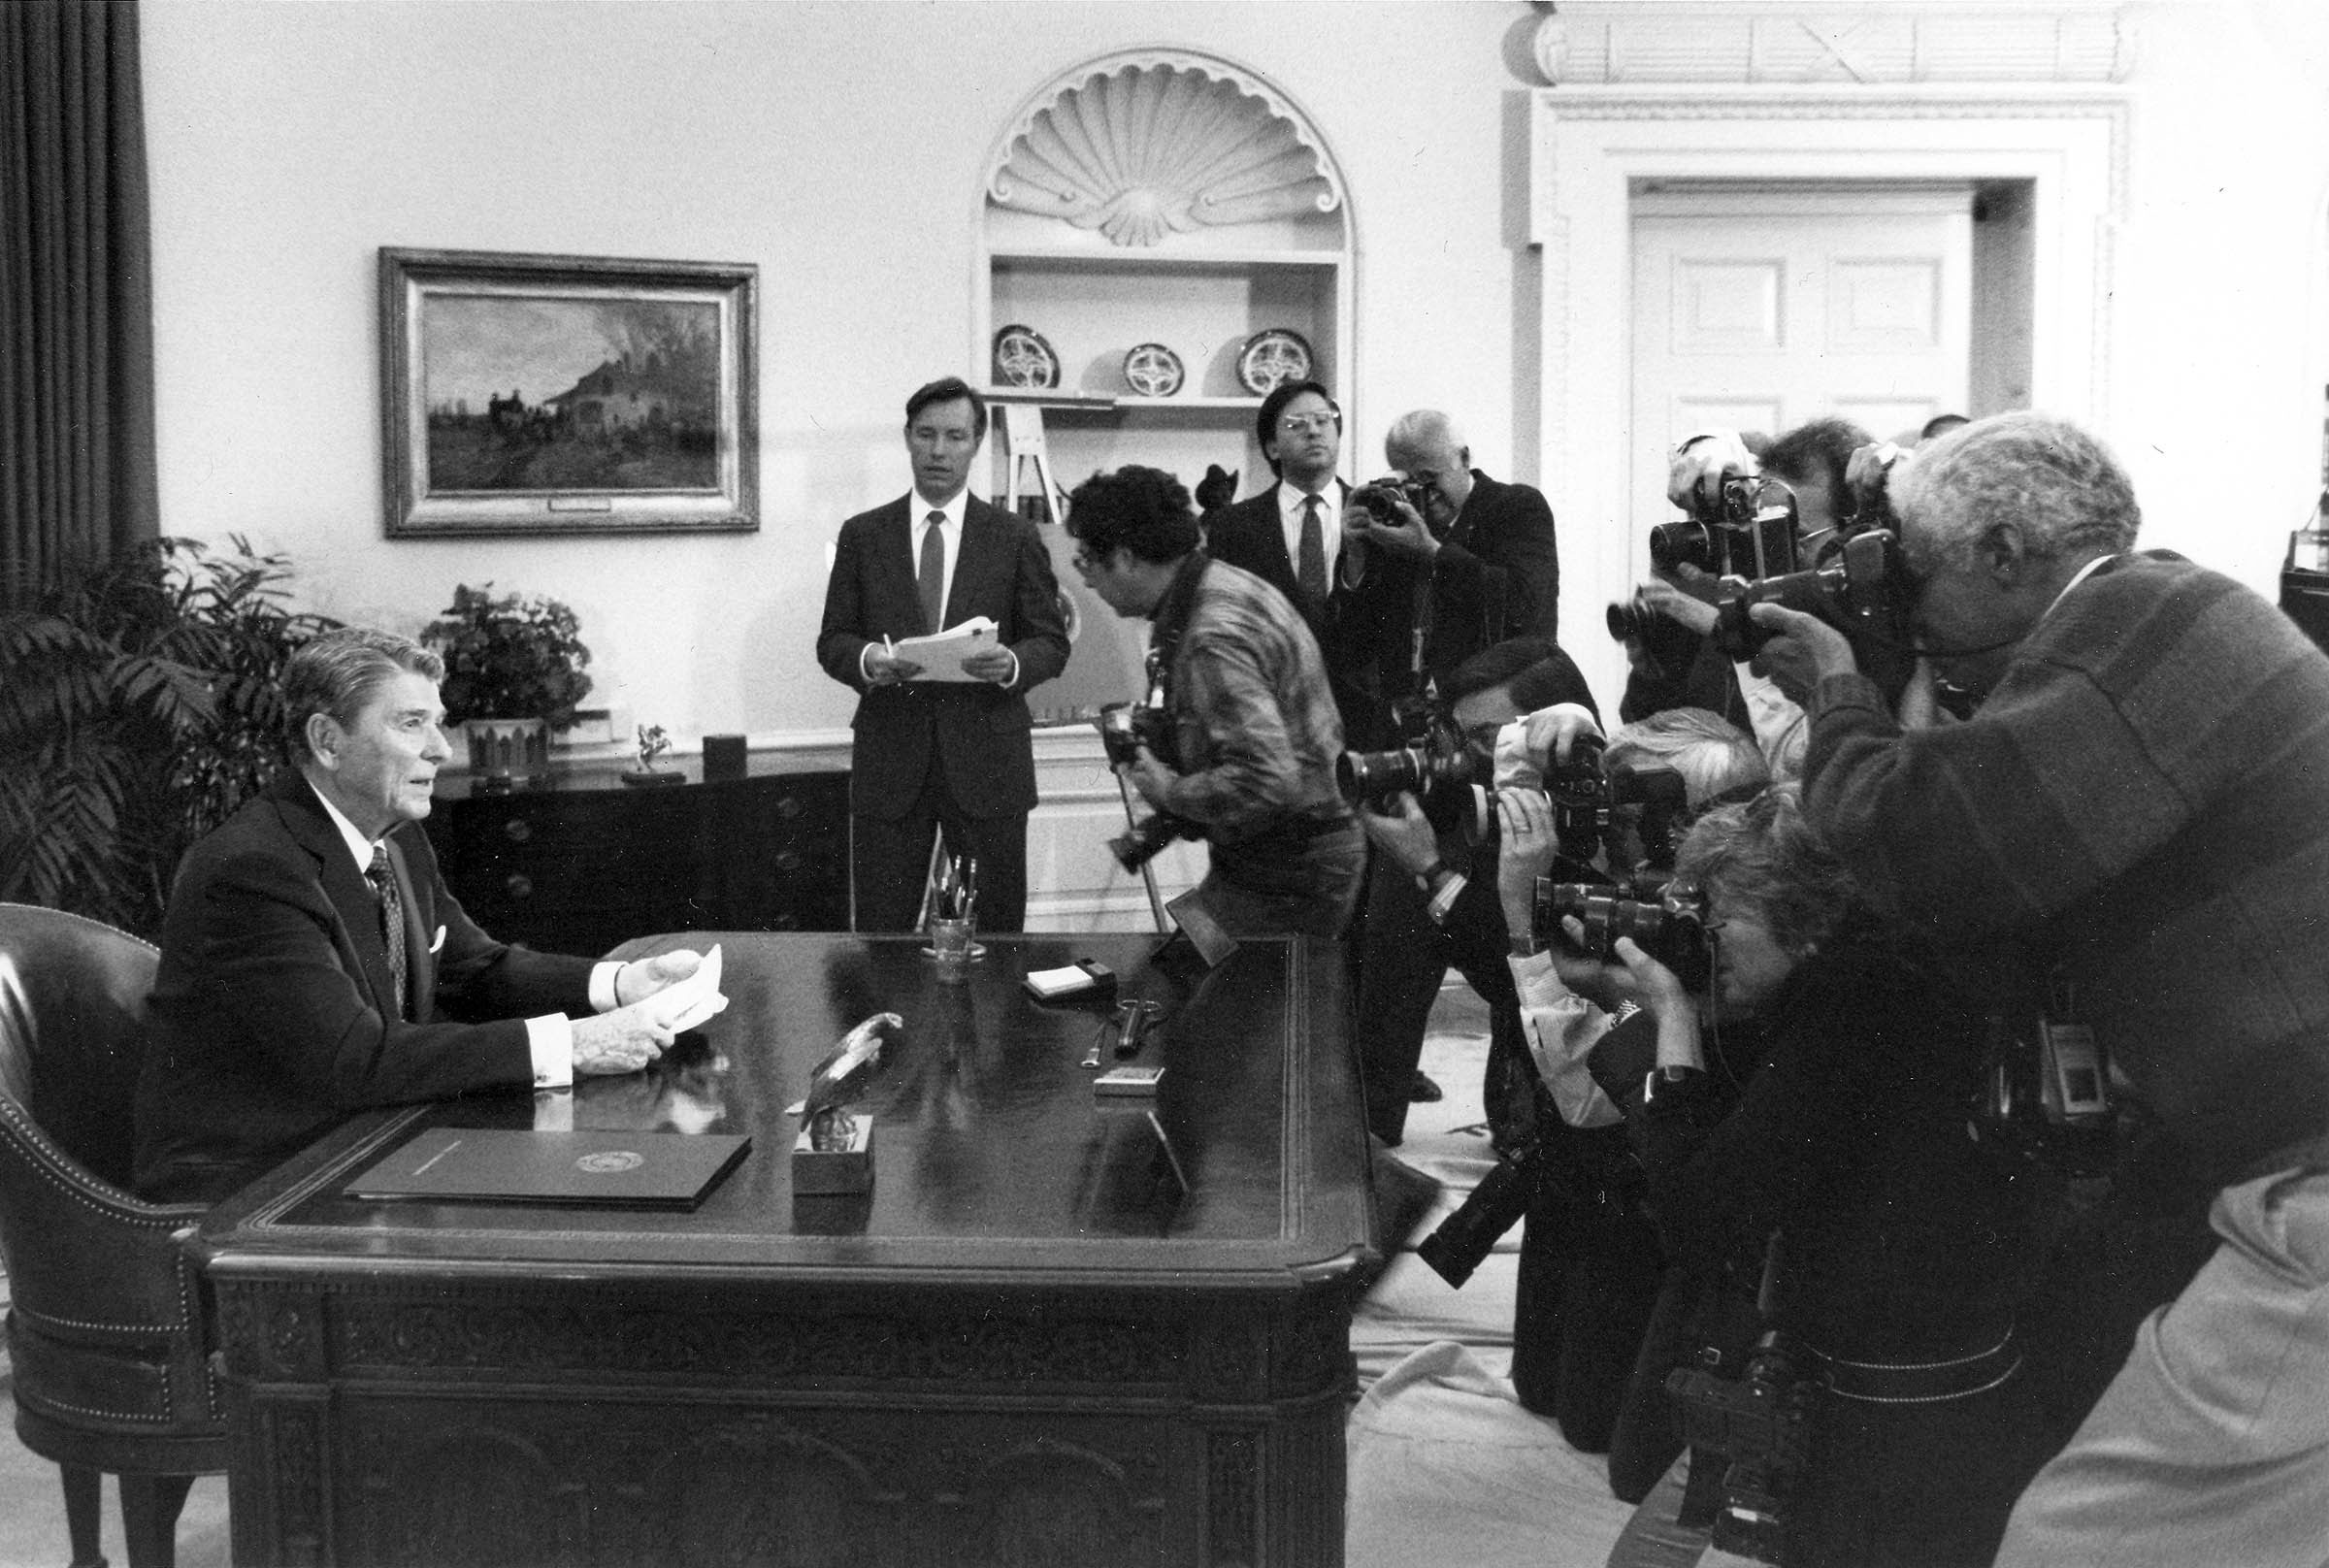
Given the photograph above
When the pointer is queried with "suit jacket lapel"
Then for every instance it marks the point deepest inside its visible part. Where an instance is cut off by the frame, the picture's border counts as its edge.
(973, 564)
(900, 600)
(350, 895)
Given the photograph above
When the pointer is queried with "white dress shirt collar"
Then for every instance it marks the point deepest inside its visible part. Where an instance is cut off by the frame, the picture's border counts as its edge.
(1291, 497)
(357, 844)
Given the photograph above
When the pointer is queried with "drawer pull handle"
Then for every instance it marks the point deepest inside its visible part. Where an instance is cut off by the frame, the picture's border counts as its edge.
(788, 806)
(788, 859)
(518, 885)
(518, 830)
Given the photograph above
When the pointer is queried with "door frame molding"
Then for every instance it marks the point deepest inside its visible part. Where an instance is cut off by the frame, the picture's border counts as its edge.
(1593, 147)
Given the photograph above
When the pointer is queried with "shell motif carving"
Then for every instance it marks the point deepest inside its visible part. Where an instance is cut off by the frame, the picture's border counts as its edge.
(1142, 153)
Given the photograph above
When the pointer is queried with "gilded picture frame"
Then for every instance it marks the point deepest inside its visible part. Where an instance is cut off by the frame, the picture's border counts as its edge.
(546, 394)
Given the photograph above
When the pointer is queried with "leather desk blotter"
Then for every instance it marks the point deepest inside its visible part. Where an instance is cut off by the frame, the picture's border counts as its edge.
(660, 1170)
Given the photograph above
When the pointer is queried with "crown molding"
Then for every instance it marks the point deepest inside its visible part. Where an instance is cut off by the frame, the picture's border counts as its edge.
(1881, 43)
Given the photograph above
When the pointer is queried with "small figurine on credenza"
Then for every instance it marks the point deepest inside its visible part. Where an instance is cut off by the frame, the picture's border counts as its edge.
(652, 743)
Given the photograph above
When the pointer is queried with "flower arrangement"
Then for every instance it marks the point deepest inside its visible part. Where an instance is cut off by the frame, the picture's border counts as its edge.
(510, 657)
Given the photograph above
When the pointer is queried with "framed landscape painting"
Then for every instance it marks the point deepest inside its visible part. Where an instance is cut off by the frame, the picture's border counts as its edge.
(567, 394)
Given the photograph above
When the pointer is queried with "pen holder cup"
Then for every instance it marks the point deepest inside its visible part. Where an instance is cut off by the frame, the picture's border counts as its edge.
(954, 946)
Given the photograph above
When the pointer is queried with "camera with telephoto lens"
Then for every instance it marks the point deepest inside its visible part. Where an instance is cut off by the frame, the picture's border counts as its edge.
(1432, 761)
(1124, 728)
(1750, 532)
(1667, 923)
(1499, 1202)
(1861, 588)
(1760, 1423)
(1586, 794)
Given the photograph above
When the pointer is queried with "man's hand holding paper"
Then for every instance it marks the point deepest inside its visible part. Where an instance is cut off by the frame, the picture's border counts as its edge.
(965, 651)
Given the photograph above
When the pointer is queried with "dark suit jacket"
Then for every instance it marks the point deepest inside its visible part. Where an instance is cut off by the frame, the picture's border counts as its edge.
(271, 1015)
(1002, 572)
(1349, 623)
(1498, 575)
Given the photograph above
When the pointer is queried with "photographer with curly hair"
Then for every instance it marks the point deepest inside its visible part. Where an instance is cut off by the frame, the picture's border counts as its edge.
(1820, 1092)
(1255, 729)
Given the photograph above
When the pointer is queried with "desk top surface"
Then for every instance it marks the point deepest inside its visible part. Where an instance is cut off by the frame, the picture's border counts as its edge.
(993, 1158)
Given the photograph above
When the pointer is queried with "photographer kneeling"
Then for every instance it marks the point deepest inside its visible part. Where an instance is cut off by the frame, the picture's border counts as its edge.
(1822, 1095)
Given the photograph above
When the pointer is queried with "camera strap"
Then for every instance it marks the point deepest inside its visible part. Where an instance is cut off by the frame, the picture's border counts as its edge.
(1170, 620)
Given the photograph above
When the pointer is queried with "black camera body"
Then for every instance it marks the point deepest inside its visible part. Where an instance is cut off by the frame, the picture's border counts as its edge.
(1760, 1421)
(1377, 496)
(1748, 533)
(1125, 727)
(1861, 588)
(1667, 924)
(2045, 1095)
(1586, 792)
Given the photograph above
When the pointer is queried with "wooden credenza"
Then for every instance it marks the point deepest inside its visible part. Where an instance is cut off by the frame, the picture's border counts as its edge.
(586, 862)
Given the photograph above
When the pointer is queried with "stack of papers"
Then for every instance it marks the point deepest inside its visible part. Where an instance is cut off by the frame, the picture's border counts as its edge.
(682, 1005)
(941, 653)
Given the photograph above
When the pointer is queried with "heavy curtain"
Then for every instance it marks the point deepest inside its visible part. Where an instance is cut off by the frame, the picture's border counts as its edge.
(76, 455)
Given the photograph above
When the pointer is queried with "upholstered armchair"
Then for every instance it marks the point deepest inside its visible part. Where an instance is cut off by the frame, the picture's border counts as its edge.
(105, 1326)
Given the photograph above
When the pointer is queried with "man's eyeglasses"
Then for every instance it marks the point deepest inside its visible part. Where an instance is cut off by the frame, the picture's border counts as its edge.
(1306, 424)
(1084, 561)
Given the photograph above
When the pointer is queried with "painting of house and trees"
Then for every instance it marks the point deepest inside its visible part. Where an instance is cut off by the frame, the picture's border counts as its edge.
(571, 394)
(527, 394)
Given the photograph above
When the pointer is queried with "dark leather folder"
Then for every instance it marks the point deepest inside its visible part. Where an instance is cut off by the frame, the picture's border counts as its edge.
(657, 1170)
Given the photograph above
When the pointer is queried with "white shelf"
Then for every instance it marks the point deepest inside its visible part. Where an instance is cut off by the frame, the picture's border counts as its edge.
(1161, 259)
(1092, 402)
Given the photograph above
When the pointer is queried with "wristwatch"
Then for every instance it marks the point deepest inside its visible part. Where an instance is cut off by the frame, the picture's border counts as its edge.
(1667, 1080)
(1525, 944)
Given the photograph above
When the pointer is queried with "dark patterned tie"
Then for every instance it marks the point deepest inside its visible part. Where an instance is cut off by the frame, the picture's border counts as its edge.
(932, 576)
(1310, 565)
(392, 919)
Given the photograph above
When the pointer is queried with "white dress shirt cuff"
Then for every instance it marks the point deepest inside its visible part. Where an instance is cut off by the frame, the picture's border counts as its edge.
(551, 1039)
(604, 997)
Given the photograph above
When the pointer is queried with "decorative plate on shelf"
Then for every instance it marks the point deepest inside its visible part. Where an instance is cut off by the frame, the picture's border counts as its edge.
(1022, 358)
(1153, 371)
(1271, 356)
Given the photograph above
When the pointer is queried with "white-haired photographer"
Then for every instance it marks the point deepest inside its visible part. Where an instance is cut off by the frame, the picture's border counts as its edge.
(1817, 1089)
(2140, 807)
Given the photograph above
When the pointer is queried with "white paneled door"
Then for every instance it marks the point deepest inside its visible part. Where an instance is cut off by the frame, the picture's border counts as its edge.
(1762, 308)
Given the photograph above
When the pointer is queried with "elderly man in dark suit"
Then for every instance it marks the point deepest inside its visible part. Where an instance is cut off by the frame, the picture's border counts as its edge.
(314, 965)
(1475, 566)
(952, 757)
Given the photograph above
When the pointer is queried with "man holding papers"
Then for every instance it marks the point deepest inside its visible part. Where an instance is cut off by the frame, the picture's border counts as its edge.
(314, 965)
(941, 728)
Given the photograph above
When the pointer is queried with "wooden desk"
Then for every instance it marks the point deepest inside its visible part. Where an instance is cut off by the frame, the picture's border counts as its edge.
(1026, 1345)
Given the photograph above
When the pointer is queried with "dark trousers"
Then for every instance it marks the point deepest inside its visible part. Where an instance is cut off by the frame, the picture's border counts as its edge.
(1404, 959)
(889, 858)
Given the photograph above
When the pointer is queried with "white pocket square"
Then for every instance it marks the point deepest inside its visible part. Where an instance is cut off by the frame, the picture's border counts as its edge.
(436, 944)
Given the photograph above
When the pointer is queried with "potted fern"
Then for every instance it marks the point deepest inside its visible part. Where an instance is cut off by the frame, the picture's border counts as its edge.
(139, 707)
(513, 670)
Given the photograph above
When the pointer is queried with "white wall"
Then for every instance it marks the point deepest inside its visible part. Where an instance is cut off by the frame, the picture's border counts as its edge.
(2218, 354)
(838, 146)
